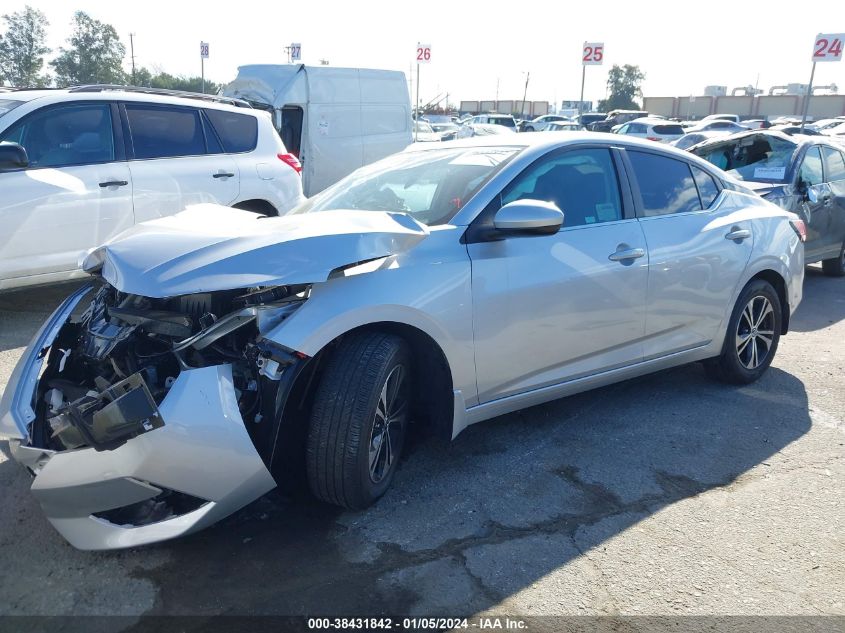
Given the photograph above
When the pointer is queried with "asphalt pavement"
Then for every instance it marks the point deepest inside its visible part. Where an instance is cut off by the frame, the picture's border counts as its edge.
(665, 495)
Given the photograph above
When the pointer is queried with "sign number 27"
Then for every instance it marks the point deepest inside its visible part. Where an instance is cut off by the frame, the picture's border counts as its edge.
(592, 54)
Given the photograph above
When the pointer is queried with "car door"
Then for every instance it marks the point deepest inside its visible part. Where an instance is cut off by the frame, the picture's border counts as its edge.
(815, 206)
(552, 308)
(75, 193)
(175, 160)
(697, 252)
(834, 170)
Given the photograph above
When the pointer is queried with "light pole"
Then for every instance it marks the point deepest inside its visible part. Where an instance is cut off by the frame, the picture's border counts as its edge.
(132, 54)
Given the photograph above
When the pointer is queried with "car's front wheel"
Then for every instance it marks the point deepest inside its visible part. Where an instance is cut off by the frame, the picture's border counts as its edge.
(835, 266)
(752, 336)
(359, 420)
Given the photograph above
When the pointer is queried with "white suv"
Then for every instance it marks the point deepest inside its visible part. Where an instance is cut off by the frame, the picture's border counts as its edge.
(80, 165)
(653, 129)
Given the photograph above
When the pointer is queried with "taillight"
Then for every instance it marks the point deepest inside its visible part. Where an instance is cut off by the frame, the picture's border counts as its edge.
(653, 138)
(291, 161)
(800, 229)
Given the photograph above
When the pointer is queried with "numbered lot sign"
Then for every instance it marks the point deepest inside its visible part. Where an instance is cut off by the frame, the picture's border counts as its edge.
(295, 52)
(592, 54)
(204, 50)
(423, 55)
(828, 47)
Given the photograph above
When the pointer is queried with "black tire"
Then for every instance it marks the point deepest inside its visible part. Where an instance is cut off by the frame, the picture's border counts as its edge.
(835, 266)
(345, 422)
(528, 129)
(736, 364)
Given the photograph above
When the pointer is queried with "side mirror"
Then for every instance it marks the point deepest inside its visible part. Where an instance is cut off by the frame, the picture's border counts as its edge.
(528, 217)
(812, 194)
(12, 157)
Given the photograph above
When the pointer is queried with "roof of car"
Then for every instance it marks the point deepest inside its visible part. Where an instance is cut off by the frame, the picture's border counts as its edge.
(127, 93)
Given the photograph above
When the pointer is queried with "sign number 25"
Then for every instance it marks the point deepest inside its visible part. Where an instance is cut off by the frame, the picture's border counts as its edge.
(592, 54)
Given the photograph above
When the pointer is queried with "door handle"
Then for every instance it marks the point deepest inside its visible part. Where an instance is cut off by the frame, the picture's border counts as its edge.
(114, 183)
(222, 174)
(628, 253)
(738, 234)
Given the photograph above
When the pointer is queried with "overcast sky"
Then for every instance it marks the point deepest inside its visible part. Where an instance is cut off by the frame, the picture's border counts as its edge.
(681, 46)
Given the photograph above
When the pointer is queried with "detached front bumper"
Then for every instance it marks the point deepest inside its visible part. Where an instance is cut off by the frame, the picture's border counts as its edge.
(202, 453)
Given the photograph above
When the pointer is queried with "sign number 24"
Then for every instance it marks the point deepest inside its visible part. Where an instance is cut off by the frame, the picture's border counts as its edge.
(828, 47)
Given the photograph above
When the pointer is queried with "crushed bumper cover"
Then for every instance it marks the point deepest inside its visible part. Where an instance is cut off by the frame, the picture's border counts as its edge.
(203, 451)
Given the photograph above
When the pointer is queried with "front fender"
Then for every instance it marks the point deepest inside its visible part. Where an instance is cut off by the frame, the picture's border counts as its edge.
(435, 299)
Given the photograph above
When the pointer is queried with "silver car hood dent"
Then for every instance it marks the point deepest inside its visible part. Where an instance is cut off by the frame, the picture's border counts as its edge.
(209, 247)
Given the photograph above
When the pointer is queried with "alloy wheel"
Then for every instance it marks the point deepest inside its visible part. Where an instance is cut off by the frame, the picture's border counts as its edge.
(388, 425)
(755, 332)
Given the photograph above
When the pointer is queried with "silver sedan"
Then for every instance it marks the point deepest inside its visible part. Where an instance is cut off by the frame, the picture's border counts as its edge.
(224, 353)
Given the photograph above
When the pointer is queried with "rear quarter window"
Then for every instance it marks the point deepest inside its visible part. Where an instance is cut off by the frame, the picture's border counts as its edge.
(668, 129)
(238, 133)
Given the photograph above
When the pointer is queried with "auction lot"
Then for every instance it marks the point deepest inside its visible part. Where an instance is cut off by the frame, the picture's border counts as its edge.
(665, 495)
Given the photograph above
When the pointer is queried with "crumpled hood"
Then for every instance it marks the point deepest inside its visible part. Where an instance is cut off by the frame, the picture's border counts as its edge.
(209, 247)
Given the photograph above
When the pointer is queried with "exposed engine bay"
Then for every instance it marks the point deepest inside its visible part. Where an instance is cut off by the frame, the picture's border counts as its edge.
(108, 372)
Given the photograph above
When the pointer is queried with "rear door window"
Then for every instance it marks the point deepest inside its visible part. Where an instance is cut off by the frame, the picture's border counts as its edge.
(666, 185)
(834, 164)
(165, 131)
(237, 132)
(668, 129)
(72, 134)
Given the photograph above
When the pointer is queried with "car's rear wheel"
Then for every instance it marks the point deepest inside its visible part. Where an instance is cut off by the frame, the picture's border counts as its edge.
(528, 128)
(359, 420)
(835, 266)
(752, 336)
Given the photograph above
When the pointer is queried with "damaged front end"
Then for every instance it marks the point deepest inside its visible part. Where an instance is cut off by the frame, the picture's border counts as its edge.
(148, 418)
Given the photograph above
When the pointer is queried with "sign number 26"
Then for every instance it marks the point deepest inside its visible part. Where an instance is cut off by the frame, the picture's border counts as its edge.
(423, 53)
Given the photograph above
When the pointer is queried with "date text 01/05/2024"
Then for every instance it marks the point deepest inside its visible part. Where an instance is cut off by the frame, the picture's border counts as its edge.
(414, 624)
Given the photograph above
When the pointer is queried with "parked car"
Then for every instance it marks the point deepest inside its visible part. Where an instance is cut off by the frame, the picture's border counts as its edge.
(224, 352)
(505, 120)
(791, 130)
(447, 131)
(835, 130)
(78, 166)
(616, 117)
(755, 124)
(333, 119)
(825, 124)
(540, 123)
(424, 132)
(659, 130)
(483, 129)
(805, 175)
(721, 117)
(564, 126)
(717, 125)
(588, 118)
(694, 138)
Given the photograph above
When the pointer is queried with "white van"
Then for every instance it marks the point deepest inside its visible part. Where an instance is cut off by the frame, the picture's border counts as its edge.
(333, 119)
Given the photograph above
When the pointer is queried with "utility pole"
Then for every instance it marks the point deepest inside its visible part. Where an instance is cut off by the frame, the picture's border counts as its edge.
(132, 54)
(525, 94)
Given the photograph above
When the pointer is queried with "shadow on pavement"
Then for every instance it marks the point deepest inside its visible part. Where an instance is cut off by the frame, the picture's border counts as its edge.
(23, 311)
(823, 303)
(469, 524)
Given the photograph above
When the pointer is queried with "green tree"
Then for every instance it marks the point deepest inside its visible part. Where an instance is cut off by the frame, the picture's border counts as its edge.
(22, 49)
(94, 56)
(624, 85)
(144, 77)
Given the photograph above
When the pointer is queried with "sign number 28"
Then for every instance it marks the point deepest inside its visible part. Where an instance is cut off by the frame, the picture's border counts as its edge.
(592, 53)
(828, 47)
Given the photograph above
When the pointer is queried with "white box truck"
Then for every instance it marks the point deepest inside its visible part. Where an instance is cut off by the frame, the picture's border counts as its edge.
(333, 119)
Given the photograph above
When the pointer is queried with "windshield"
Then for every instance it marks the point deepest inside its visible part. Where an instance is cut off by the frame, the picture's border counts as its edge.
(424, 127)
(430, 186)
(7, 105)
(444, 127)
(754, 158)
